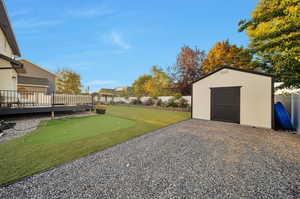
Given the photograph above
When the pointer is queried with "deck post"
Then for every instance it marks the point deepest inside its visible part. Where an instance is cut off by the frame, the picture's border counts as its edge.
(52, 100)
(52, 105)
(91, 110)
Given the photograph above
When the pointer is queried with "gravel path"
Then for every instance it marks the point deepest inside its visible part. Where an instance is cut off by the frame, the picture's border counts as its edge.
(191, 159)
(26, 124)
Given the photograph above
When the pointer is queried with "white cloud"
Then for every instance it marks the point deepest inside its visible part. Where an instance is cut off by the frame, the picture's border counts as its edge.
(33, 23)
(101, 82)
(92, 12)
(117, 39)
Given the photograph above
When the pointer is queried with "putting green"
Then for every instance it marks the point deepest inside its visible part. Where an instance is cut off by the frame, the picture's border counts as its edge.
(58, 141)
(66, 130)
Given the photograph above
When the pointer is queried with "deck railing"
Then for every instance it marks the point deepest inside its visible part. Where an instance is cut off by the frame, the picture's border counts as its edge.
(19, 99)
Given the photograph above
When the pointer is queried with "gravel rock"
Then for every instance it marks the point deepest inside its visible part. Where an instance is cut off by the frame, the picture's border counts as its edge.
(191, 159)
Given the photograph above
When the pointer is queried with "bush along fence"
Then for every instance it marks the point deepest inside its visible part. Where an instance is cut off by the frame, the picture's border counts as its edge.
(292, 104)
(176, 103)
(129, 100)
(187, 109)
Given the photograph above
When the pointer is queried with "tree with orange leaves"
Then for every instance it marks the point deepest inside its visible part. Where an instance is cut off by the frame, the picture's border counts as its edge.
(225, 54)
(187, 69)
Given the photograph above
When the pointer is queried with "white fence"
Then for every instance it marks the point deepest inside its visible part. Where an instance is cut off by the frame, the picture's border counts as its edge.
(143, 99)
(292, 104)
(68, 99)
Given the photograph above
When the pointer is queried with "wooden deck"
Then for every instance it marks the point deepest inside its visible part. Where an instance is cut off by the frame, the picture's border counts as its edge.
(25, 102)
(43, 109)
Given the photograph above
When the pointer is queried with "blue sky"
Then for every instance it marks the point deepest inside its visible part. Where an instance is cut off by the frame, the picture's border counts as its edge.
(111, 43)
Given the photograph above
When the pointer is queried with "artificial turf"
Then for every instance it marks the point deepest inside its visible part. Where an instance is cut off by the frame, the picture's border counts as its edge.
(58, 141)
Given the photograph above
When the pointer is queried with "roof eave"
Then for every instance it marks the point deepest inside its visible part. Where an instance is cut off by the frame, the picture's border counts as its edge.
(236, 69)
(15, 64)
(8, 30)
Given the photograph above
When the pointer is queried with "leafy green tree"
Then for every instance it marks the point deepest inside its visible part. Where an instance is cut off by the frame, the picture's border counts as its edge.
(68, 82)
(225, 54)
(274, 31)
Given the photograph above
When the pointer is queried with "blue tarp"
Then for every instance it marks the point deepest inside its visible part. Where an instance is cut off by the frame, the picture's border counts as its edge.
(282, 118)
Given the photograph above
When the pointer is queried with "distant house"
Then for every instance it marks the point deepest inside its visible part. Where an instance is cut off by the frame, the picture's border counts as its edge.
(122, 89)
(35, 78)
(9, 49)
(116, 91)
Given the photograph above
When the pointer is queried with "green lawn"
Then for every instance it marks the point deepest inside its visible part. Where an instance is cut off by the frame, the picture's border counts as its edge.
(58, 141)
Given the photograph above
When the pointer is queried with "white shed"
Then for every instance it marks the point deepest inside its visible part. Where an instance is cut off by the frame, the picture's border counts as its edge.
(235, 95)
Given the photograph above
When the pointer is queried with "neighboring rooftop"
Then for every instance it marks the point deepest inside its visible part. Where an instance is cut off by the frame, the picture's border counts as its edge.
(115, 91)
(7, 29)
(24, 61)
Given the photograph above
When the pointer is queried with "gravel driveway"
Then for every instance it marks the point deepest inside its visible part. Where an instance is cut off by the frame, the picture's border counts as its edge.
(191, 159)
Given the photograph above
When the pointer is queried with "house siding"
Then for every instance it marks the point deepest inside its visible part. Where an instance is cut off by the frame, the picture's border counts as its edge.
(5, 48)
(8, 77)
(33, 80)
(37, 73)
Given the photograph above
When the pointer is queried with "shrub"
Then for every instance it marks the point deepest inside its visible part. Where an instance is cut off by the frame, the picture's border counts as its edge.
(183, 103)
(136, 101)
(149, 102)
(101, 107)
(177, 96)
(155, 98)
(159, 102)
(100, 103)
(172, 102)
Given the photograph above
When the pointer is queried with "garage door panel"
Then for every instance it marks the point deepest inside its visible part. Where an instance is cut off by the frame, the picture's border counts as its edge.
(225, 104)
(226, 114)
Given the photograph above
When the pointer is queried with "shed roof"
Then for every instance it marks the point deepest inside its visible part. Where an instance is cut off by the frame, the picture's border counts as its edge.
(236, 69)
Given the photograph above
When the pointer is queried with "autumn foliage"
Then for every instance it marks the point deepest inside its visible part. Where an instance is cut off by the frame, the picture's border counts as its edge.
(225, 54)
(274, 31)
(158, 83)
(68, 82)
(187, 69)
